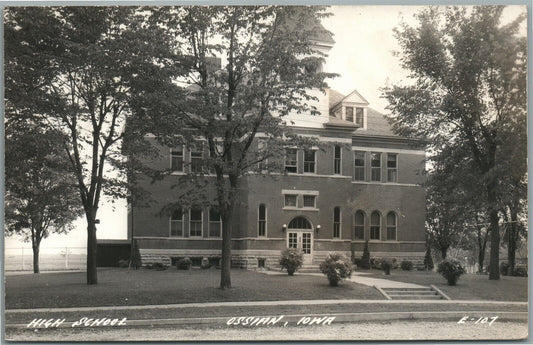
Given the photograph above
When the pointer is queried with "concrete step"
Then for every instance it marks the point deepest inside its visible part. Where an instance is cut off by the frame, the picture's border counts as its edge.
(407, 293)
(408, 289)
(415, 297)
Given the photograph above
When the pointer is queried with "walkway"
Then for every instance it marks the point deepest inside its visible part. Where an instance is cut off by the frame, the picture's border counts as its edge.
(359, 278)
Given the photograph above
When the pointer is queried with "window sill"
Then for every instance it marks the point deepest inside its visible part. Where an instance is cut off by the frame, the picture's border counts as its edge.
(293, 208)
(177, 173)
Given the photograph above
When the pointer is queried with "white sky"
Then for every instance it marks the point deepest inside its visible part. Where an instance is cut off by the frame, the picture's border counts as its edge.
(363, 57)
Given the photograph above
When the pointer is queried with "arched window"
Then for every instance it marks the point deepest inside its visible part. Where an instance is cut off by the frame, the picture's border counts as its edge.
(262, 221)
(300, 223)
(359, 225)
(337, 222)
(375, 225)
(391, 226)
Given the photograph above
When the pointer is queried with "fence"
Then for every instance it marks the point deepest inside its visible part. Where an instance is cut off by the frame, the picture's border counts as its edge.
(50, 258)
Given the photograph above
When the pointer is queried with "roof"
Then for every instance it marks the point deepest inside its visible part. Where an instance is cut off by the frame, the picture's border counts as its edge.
(377, 125)
(335, 122)
(334, 97)
(318, 32)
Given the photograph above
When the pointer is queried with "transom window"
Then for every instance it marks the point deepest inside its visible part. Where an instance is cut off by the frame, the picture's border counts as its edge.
(375, 166)
(176, 223)
(300, 223)
(375, 225)
(291, 200)
(392, 167)
(359, 226)
(359, 166)
(195, 222)
(310, 201)
(359, 116)
(262, 220)
(176, 160)
(337, 160)
(291, 160)
(215, 223)
(337, 222)
(309, 161)
(391, 226)
(349, 114)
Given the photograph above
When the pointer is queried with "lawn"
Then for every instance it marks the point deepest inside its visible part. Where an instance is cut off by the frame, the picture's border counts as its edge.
(121, 286)
(469, 286)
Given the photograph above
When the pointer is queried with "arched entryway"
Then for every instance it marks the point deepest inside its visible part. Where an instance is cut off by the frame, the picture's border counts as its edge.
(300, 236)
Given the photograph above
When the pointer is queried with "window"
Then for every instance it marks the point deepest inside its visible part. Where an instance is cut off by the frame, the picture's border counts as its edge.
(176, 160)
(290, 200)
(337, 160)
(291, 160)
(359, 226)
(337, 222)
(262, 221)
(299, 223)
(391, 226)
(262, 153)
(375, 166)
(349, 114)
(309, 201)
(309, 161)
(195, 222)
(359, 166)
(375, 226)
(196, 158)
(176, 223)
(359, 117)
(215, 223)
(392, 167)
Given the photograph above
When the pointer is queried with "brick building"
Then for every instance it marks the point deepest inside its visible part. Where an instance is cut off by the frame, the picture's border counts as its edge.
(365, 184)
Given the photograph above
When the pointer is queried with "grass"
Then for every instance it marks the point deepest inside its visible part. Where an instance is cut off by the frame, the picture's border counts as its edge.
(121, 286)
(469, 286)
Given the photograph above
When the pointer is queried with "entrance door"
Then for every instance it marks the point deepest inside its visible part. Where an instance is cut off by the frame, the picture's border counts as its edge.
(302, 241)
(300, 237)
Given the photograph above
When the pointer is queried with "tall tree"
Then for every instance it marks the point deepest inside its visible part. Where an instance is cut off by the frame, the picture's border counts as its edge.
(40, 186)
(88, 59)
(469, 83)
(249, 67)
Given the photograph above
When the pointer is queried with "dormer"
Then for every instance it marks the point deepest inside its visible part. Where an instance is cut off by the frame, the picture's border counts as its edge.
(352, 108)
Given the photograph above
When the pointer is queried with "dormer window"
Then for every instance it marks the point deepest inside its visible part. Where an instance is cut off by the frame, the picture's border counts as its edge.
(349, 114)
(359, 116)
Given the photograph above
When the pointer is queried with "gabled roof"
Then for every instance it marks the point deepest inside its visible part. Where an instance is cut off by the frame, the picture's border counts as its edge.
(377, 125)
(354, 97)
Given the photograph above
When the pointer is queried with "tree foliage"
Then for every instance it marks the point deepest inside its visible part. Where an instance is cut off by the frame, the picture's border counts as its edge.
(469, 87)
(248, 67)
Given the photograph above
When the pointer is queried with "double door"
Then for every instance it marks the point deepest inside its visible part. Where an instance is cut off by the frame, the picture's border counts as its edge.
(302, 241)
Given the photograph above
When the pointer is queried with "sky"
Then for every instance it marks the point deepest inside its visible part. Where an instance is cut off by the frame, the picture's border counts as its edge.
(362, 55)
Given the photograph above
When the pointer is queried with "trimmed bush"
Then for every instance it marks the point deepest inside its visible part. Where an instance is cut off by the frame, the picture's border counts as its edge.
(123, 263)
(336, 267)
(520, 272)
(428, 260)
(504, 268)
(205, 263)
(406, 265)
(184, 264)
(451, 270)
(386, 265)
(365, 259)
(291, 259)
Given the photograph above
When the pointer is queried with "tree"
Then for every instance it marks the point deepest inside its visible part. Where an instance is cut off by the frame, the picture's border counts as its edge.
(40, 186)
(249, 67)
(469, 84)
(87, 59)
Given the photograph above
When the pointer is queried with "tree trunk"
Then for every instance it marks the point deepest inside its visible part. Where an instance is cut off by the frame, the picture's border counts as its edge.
(443, 252)
(225, 272)
(35, 258)
(494, 263)
(512, 241)
(481, 256)
(91, 252)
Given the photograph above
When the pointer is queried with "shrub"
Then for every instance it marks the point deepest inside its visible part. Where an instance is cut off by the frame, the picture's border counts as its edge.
(386, 266)
(520, 272)
(365, 259)
(451, 270)
(123, 263)
(184, 264)
(357, 262)
(406, 265)
(504, 268)
(158, 266)
(291, 259)
(428, 260)
(205, 263)
(375, 263)
(336, 267)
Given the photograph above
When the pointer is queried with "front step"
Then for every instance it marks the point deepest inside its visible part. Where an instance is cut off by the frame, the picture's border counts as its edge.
(422, 293)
